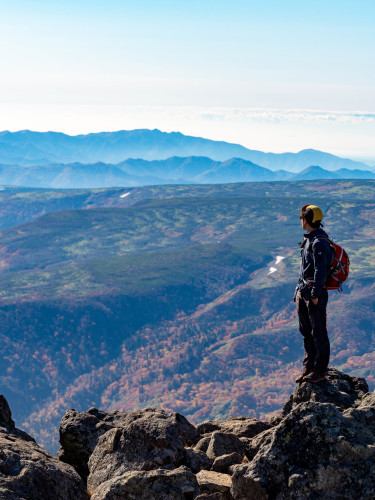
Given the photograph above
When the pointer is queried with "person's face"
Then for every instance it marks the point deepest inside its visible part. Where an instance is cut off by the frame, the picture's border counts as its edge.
(303, 223)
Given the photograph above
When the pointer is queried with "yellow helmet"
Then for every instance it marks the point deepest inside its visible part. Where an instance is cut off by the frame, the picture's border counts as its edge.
(311, 213)
(317, 213)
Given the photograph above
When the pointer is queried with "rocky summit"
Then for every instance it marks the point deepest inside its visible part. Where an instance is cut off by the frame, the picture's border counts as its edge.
(320, 446)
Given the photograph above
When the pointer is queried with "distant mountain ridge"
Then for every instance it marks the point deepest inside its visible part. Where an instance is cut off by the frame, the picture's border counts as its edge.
(174, 170)
(39, 148)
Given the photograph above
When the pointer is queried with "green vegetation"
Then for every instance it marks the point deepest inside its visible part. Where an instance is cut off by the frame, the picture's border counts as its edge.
(164, 297)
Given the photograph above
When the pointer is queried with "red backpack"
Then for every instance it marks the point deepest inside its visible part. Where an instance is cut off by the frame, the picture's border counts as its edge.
(339, 267)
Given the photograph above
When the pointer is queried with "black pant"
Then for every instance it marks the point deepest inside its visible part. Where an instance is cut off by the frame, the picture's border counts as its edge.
(313, 326)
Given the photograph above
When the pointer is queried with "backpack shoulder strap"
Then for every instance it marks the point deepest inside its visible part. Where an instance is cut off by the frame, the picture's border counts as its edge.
(303, 242)
(331, 244)
(318, 237)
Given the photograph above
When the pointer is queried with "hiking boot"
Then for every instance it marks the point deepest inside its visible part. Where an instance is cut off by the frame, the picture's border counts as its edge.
(314, 378)
(305, 372)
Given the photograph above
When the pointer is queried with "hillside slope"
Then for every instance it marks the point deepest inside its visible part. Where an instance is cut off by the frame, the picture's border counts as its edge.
(172, 300)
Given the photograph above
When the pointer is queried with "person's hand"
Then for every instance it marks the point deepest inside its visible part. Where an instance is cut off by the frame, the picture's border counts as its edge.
(315, 301)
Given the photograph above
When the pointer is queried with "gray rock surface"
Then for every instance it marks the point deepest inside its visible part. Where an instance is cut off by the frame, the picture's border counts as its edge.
(203, 443)
(197, 460)
(315, 449)
(27, 471)
(245, 487)
(177, 484)
(224, 462)
(340, 389)
(215, 483)
(80, 431)
(188, 434)
(223, 444)
(146, 443)
(240, 426)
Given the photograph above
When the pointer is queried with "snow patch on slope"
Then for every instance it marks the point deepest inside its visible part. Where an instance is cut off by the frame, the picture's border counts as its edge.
(279, 258)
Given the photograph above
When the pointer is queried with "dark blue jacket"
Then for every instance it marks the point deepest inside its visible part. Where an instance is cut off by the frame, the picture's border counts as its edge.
(316, 256)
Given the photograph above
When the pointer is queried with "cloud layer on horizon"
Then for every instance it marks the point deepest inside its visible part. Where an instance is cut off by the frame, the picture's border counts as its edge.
(344, 133)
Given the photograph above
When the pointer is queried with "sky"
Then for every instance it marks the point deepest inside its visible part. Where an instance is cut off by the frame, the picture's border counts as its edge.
(272, 75)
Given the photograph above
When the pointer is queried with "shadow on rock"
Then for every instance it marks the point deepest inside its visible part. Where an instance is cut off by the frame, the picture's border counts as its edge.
(27, 471)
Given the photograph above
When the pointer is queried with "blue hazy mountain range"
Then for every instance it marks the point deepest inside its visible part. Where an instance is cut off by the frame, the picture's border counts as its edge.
(42, 148)
(175, 170)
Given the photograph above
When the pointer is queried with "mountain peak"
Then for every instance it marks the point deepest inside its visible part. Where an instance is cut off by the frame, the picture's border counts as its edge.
(313, 168)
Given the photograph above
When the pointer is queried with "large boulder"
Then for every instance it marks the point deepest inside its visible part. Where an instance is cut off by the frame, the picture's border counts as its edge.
(224, 462)
(5, 413)
(244, 487)
(314, 452)
(27, 471)
(215, 483)
(177, 484)
(340, 389)
(222, 443)
(227, 441)
(148, 442)
(197, 460)
(203, 443)
(80, 431)
(364, 413)
(188, 434)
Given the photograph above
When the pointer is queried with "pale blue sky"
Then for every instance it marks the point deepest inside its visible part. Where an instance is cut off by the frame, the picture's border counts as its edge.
(81, 66)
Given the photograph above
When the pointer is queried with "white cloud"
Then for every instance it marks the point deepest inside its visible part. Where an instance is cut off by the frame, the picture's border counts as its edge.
(284, 115)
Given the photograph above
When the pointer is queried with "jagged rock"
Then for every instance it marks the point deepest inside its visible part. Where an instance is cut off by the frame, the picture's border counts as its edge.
(178, 484)
(245, 487)
(5, 413)
(315, 449)
(27, 471)
(208, 426)
(240, 426)
(364, 414)
(340, 389)
(202, 444)
(197, 460)
(223, 444)
(80, 431)
(222, 464)
(146, 443)
(188, 434)
(211, 482)
(252, 445)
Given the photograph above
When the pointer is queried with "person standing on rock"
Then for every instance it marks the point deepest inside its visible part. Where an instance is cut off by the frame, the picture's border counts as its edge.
(311, 297)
